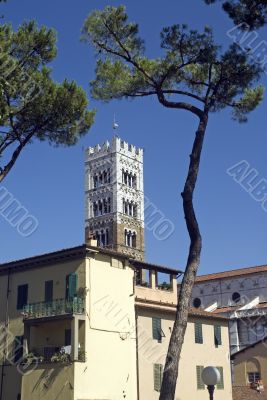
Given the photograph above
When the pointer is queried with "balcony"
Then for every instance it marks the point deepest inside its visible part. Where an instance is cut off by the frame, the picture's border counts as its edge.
(52, 354)
(59, 307)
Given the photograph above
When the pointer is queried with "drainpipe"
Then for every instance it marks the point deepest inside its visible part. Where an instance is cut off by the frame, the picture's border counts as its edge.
(137, 358)
(5, 344)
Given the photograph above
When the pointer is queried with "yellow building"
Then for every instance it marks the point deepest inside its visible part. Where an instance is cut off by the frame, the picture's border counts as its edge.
(250, 365)
(87, 323)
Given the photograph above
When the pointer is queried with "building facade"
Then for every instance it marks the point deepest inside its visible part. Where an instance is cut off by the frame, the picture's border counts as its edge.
(250, 365)
(89, 323)
(239, 294)
(114, 197)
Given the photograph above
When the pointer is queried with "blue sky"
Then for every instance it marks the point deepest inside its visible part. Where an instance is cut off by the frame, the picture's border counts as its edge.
(49, 182)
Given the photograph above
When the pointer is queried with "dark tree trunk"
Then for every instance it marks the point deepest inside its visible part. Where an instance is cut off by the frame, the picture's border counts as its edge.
(177, 337)
(4, 171)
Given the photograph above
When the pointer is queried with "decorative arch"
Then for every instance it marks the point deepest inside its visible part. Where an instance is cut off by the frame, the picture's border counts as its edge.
(253, 365)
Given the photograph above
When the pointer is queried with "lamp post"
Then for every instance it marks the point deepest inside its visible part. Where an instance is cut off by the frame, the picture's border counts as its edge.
(210, 377)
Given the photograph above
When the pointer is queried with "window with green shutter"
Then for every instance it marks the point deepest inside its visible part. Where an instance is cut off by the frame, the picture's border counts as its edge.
(71, 286)
(200, 383)
(217, 335)
(220, 385)
(198, 333)
(22, 296)
(156, 329)
(158, 373)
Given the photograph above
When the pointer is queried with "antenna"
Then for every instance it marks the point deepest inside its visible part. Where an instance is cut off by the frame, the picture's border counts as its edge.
(115, 125)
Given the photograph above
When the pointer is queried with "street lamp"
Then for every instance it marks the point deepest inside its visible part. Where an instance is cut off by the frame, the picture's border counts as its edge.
(210, 377)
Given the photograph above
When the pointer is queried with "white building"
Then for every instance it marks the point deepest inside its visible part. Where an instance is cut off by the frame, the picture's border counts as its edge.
(241, 295)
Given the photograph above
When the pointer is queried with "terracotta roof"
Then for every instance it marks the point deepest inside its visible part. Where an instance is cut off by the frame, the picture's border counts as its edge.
(225, 309)
(261, 305)
(45, 259)
(160, 268)
(196, 312)
(74, 252)
(264, 340)
(231, 273)
(245, 393)
(193, 312)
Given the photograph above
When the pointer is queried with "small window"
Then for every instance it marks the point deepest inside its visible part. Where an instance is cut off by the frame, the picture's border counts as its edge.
(200, 383)
(158, 374)
(18, 349)
(49, 291)
(236, 297)
(198, 333)
(156, 329)
(217, 335)
(253, 377)
(220, 384)
(196, 302)
(22, 296)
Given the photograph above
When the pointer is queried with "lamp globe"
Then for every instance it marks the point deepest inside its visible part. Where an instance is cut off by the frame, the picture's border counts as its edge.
(210, 376)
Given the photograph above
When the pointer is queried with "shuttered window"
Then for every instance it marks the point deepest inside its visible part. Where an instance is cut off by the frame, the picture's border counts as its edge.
(200, 384)
(71, 286)
(158, 373)
(220, 385)
(217, 335)
(156, 329)
(198, 333)
(48, 291)
(22, 296)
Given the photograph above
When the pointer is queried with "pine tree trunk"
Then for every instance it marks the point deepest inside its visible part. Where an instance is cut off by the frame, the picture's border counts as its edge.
(177, 337)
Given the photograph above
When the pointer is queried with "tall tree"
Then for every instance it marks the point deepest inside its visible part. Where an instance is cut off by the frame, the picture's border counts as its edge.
(253, 13)
(32, 104)
(192, 74)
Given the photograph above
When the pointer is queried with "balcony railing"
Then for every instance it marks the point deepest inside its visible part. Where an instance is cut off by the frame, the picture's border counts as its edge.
(54, 308)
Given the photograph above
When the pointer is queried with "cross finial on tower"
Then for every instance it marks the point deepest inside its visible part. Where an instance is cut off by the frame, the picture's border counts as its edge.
(115, 124)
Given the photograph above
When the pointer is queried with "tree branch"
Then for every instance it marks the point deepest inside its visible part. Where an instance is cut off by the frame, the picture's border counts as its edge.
(179, 105)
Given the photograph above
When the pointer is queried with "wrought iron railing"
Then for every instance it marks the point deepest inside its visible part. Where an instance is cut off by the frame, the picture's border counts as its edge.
(54, 308)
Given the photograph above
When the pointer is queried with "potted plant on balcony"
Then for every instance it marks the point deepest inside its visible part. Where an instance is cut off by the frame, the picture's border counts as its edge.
(60, 357)
(32, 358)
(82, 355)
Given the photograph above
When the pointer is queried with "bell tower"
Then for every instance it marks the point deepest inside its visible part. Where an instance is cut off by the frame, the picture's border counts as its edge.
(114, 196)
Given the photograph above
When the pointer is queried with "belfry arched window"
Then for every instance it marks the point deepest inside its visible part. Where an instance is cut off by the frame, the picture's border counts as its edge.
(130, 238)
(102, 237)
(129, 179)
(100, 207)
(105, 206)
(101, 178)
(129, 208)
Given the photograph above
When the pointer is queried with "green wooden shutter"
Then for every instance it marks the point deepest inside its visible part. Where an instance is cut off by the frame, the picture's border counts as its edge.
(158, 372)
(71, 286)
(156, 329)
(217, 335)
(22, 296)
(48, 291)
(220, 385)
(200, 384)
(198, 333)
